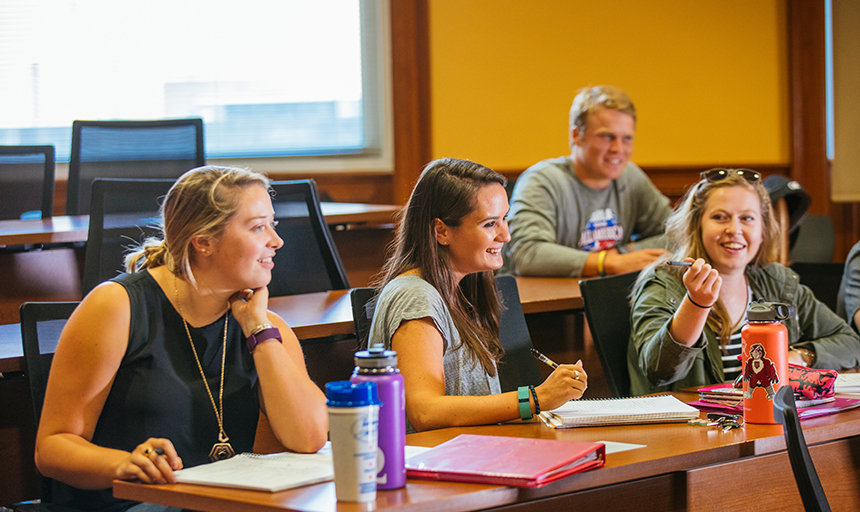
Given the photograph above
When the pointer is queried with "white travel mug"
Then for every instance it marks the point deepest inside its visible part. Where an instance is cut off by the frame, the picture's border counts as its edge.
(353, 415)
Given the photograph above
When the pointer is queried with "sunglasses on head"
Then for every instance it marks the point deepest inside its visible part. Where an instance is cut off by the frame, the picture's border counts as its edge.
(721, 174)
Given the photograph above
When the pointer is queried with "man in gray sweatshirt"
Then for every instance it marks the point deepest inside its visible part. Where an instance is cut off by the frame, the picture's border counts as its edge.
(593, 212)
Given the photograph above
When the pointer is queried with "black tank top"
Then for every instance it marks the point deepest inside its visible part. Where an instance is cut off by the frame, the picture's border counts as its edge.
(158, 390)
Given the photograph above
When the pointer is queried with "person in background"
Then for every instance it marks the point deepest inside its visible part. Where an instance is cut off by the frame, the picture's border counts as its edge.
(848, 301)
(438, 308)
(169, 365)
(593, 212)
(686, 321)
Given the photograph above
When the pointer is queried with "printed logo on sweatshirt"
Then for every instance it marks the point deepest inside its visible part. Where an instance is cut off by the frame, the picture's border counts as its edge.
(601, 232)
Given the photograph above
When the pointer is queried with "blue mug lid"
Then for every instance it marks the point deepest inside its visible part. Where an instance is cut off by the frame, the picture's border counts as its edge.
(343, 393)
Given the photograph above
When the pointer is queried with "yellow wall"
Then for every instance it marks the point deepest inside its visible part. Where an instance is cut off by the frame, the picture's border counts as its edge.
(709, 77)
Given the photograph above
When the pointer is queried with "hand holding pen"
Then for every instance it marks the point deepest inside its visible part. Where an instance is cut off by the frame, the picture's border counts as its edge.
(567, 382)
(702, 282)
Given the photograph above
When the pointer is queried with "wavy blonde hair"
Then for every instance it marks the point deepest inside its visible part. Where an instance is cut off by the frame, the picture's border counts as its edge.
(684, 228)
(200, 204)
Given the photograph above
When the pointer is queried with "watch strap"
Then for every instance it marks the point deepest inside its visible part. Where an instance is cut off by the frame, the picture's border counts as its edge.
(523, 394)
(261, 336)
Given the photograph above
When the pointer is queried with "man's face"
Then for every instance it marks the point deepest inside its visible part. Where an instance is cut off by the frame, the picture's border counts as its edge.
(601, 152)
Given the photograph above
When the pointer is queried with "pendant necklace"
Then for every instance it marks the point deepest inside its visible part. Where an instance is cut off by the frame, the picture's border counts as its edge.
(222, 449)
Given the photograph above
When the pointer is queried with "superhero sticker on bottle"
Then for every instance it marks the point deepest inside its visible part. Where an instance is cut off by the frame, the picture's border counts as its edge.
(760, 372)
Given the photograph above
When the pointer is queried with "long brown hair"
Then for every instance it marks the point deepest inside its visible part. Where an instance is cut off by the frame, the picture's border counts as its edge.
(684, 228)
(200, 203)
(447, 190)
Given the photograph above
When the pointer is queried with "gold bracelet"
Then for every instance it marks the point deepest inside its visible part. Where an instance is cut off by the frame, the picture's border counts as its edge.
(260, 328)
(601, 259)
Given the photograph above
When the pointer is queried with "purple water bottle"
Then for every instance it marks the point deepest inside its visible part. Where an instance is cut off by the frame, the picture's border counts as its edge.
(380, 366)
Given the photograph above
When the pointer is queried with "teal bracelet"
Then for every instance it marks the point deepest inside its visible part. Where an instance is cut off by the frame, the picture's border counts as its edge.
(523, 393)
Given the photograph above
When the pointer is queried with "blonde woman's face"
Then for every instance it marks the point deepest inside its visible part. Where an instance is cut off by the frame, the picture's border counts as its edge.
(244, 252)
(732, 228)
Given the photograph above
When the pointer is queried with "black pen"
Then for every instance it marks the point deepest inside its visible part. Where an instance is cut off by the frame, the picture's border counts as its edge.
(680, 263)
(544, 359)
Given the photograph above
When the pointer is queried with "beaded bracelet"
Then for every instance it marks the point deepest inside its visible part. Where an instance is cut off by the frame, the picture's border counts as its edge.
(534, 395)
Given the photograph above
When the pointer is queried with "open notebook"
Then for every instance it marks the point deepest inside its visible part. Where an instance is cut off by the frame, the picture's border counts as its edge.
(273, 472)
(620, 411)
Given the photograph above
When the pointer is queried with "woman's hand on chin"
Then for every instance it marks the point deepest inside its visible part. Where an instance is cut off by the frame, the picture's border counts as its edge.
(250, 308)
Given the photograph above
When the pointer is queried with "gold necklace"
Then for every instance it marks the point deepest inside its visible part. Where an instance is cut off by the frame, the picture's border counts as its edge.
(222, 449)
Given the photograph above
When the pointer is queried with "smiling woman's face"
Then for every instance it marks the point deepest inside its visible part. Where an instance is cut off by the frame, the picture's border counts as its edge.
(732, 228)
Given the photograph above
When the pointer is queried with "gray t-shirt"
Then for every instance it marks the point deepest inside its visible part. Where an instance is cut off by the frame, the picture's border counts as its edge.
(408, 297)
(556, 220)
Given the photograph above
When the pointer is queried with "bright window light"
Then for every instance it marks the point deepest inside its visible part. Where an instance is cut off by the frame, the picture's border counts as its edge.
(270, 78)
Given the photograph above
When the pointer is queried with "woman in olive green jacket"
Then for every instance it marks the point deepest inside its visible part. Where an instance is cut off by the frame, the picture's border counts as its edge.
(686, 320)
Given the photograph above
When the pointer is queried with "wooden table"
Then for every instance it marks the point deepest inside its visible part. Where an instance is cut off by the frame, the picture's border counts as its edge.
(361, 233)
(63, 229)
(682, 467)
(329, 314)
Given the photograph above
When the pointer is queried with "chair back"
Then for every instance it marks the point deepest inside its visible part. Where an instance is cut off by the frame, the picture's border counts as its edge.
(815, 240)
(124, 213)
(785, 413)
(607, 310)
(363, 306)
(41, 326)
(824, 279)
(308, 262)
(130, 149)
(517, 367)
(26, 182)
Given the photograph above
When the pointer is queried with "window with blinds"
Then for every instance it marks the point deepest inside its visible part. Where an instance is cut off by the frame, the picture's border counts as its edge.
(270, 78)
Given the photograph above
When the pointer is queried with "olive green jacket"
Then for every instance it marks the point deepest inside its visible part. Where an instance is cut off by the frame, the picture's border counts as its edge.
(659, 363)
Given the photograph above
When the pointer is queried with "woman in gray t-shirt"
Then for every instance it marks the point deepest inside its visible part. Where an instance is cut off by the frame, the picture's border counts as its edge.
(439, 309)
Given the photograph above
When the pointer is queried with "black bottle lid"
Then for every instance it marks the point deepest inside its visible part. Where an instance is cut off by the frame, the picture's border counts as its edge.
(762, 311)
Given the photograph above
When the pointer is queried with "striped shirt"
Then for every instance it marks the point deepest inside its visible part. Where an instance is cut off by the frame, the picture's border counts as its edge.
(731, 364)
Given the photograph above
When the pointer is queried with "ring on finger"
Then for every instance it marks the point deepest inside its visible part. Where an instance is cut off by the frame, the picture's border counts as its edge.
(576, 374)
(153, 453)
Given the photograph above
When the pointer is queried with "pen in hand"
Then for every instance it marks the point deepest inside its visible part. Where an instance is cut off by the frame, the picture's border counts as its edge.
(544, 359)
(680, 263)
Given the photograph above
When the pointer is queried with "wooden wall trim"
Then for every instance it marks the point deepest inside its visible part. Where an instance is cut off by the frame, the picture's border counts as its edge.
(806, 40)
(810, 165)
(410, 35)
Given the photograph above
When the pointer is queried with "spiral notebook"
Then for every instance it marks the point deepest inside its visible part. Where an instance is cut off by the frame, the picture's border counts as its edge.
(273, 472)
(620, 411)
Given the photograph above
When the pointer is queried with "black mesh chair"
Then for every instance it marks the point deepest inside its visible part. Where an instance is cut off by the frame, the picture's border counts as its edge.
(26, 182)
(785, 413)
(41, 325)
(124, 213)
(362, 312)
(130, 149)
(518, 367)
(308, 262)
(816, 240)
(607, 309)
(823, 278)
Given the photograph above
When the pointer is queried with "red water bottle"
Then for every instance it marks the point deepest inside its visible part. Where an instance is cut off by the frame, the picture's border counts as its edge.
(764, 349)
